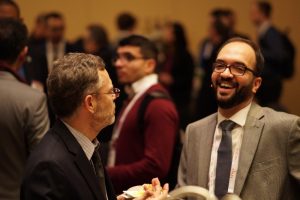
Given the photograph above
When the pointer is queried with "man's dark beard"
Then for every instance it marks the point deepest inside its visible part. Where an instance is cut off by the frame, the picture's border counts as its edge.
(240, 95)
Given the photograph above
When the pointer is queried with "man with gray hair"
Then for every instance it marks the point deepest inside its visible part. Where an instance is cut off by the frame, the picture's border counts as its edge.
(66, 164)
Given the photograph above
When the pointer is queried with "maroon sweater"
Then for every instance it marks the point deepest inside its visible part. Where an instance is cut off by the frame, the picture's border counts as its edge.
(143, 156)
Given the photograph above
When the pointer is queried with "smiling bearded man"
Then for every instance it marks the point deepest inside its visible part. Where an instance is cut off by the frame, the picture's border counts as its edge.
(244, 149)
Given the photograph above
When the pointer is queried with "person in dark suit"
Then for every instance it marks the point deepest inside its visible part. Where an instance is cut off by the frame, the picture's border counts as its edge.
(177, 70)
(44, 54)
(66, 164)
(82, 96)
(272, 46)
(24, 117)
(244, 149)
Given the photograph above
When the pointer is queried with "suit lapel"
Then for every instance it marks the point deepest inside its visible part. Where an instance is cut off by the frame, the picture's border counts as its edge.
(253, 130)
(109, 187)
(80, 159)
(206, 140)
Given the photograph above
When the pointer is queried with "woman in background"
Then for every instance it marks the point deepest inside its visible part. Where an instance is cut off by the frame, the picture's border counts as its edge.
(177, 70)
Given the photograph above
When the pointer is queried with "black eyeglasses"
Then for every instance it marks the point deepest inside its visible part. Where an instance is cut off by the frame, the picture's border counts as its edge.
(235, 69)
(126, 57)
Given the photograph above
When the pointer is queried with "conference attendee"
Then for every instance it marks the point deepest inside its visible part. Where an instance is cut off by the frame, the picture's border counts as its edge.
(96, 42)
(9, 9)
(144, 135)
(126, 24)
(38, 33)
(24, 117)
(177, 70)
(244, 149)
(55, 46)
(272, 46)
(42, 56)
(218, 33)
(66, 164)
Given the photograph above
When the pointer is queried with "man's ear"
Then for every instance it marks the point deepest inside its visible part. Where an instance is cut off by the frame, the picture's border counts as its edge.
(256, 84)
(151, 65)
(89, 103)
(23, 54)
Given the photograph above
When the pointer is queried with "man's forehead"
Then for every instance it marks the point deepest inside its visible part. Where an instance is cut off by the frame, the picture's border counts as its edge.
(237, 50)
(105, 77)
(129, 49)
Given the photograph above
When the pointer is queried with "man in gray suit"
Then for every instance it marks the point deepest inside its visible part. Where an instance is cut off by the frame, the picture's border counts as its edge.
(24, 116)
(259, 156)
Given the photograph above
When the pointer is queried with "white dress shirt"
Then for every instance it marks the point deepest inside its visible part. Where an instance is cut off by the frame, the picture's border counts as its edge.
(87, 146)
(237, 136)
(139, 87)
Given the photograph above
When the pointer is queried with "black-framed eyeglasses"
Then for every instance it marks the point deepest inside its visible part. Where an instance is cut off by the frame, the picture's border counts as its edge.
(126, 57)
(235, 69)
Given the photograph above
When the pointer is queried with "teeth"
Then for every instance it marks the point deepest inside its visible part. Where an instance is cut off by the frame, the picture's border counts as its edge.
(225, 85)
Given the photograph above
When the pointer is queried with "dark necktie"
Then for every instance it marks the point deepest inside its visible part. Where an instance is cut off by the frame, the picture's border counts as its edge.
(224, 159)
(98, 169)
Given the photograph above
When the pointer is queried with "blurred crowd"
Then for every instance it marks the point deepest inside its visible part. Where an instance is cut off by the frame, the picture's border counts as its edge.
(178, 70)
(177, 67)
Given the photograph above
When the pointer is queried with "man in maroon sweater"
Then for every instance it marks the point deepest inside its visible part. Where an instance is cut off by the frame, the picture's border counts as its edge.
(140, 152)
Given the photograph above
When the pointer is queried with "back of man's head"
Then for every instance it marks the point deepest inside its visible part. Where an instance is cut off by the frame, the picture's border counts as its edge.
(13, 39)
(72, 77)
(53, 14)
(147, 47)
(265, 8)
(126, 22)
(9, 9)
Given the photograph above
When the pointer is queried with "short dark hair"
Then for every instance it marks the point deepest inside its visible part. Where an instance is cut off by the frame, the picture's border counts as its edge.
(53, 14)
(179, 34)
(13, 39)
(13, 4)
(72, 77)
(259, 65)
(217, 13)
(98, 34)
(126, 21)
(265, 7)
(148, 48)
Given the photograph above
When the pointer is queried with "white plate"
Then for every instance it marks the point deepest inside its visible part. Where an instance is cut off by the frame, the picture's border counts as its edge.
(134, 192)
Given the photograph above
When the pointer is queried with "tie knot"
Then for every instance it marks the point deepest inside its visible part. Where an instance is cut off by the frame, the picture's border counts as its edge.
(227, 125)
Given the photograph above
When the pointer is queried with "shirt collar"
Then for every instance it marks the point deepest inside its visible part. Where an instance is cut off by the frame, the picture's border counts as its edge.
(239, 117)
(262, 29)
(87, 146)
(144, 83)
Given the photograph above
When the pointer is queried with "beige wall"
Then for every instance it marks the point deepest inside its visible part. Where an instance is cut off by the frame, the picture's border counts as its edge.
(192, 13)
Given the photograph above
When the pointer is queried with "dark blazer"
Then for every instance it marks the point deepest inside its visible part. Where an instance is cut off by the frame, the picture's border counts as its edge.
(269, 164)
(272, 48)
(38, 67)
(59, 169)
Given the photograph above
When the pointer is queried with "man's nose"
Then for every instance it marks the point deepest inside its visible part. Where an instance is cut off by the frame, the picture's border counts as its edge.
(118, 63)
(227, 73)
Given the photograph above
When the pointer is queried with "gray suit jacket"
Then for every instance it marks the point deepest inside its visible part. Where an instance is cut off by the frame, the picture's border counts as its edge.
(23, 122)
(269, 164)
